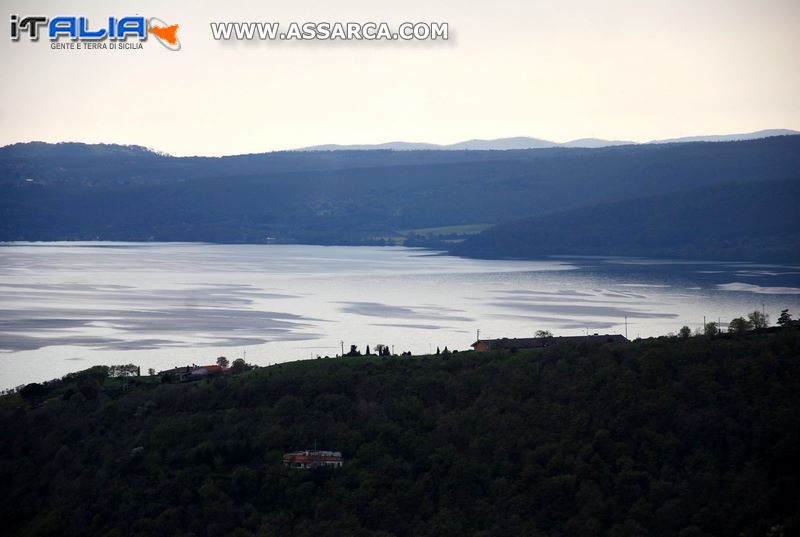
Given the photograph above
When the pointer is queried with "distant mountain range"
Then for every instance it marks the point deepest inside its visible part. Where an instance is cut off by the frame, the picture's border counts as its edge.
(502, 144)
(524, 142)
(729, 137)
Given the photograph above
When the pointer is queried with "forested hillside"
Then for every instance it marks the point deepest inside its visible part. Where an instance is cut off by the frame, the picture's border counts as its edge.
(738, 221)
(669, 436)
(106, 192)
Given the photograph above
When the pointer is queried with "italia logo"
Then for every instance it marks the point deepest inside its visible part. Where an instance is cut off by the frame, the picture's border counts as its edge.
(135, 28)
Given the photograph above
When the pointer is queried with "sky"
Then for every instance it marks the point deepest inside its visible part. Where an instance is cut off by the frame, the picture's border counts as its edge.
(619, 69)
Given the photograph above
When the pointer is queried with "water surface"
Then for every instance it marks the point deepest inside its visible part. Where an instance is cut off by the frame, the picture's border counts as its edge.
(68, 306)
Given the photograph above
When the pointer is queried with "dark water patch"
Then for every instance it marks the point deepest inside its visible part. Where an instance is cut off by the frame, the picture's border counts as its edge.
(555, 322)
(589, 311)
(252, 341)
(376, 309)
(40, 324)
(28, 330)
(209, 320)
(758, 289)
(414, 326)
(139, 344)
(19, 342)
(560, 292)
(218, 295)
(564, 300)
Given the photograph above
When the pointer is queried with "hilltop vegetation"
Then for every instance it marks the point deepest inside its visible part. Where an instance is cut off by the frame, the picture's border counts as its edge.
(751, 221)
(691, 437)
(104, 192)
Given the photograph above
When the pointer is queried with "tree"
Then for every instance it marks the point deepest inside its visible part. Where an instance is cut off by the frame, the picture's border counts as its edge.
(151, 372)
(711, 329)
(222, 361)
(739, 325)
(368, 353)
(785, 319)
(98, 373)
(544, 333)
(122, 371)
(239, 366)
(32, 392)
(244, 483)
(758, 319)
(685, 331)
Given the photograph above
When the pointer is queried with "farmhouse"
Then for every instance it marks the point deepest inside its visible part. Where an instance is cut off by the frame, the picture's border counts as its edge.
(513, 344)
(180, 374)
(194, 372)
(206, 370)
(313, 459)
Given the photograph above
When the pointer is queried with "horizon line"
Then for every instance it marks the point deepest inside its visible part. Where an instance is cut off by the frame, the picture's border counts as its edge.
(371, 146)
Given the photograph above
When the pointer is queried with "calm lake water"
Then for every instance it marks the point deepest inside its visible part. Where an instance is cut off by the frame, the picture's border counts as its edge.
(67, 306)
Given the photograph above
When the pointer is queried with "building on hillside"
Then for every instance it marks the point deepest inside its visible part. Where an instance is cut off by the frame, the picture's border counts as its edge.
(515, 344)
(206, 370)
(180, 374)
(194, 372)
(313, 459)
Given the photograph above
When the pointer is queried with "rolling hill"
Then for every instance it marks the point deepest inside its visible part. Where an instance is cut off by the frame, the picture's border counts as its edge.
(734, 221)
(107, 192)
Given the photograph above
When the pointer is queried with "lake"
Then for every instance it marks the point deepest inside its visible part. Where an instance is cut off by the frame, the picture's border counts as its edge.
(67, 306)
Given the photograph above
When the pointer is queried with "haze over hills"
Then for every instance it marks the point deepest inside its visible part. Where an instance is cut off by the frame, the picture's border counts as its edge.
(524, 142)
(499, 144)
(729, 137)
(107, 192)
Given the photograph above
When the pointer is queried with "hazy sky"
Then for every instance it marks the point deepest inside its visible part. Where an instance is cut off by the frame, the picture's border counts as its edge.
(620, 69)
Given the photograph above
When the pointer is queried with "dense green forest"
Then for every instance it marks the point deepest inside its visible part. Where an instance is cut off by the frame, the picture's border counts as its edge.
(752, 221)
(670, 436)
(108, 192)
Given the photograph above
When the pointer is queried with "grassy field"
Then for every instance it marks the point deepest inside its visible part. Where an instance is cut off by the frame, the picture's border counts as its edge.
(466, 229)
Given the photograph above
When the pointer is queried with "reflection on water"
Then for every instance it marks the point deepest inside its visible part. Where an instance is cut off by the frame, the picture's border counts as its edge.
(67, 306)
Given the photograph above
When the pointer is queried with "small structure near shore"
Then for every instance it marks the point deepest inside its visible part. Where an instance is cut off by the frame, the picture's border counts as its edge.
(313, 459)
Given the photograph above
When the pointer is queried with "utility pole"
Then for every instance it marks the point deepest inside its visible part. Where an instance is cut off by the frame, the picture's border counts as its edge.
(342, 342)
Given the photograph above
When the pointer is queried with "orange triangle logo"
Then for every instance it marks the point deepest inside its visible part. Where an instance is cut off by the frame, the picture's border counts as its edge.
(167, 33)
